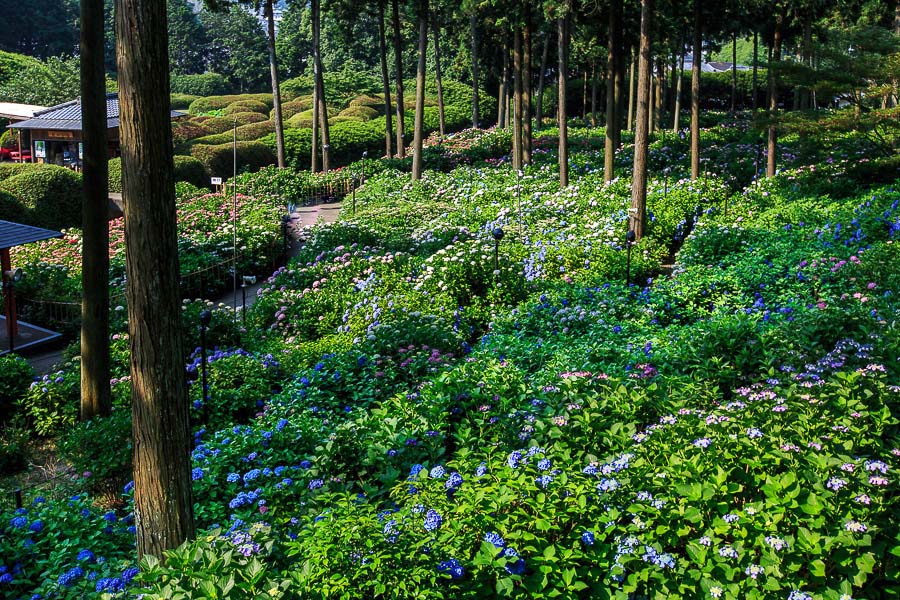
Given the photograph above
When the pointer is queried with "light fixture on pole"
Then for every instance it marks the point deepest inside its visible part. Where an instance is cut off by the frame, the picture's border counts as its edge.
(498, 235)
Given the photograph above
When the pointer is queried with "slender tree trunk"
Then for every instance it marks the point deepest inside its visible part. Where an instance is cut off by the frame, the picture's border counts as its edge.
(678, 85)
(163, 507)
(631, 93)
(435, 28)
(385, 82)
(773, 97)
(609, 149)
(619, 84)
(561, 114)
(322, 110)
(474, 34)
(539, 101)
(503, 100)
(517, 98)
(805, 92)
(276, 88)
(695, 91)
(651, 120)
(419, 127)
(526, 92)
(314, 153)
(638, 210)
(755, 70)
(660, 92)
(733, 70)
(594, 86)
(398, 67)
(95, 389)
(584, 96)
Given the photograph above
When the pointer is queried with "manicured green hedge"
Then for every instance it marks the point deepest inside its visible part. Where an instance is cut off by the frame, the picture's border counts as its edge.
(204, 105)
(181, 101)
(50, 195)
(10, 208)
(187, 168)
(205, 84)
(297, 105)
(218, 160)
(243, 106)
(12, 169)
(249, 132)
(366, 113)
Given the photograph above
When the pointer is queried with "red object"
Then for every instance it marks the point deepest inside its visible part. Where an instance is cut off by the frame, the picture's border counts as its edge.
(20, 157)
(5, 154)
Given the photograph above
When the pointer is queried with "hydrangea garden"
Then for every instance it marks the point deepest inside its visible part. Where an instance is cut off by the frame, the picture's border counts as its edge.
(415, 408)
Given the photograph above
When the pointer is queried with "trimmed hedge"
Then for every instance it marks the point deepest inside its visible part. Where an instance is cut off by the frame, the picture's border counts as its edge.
(249, 132)
(218, 160)
(187, 168)
(181, 101)
(289, 109)
(215, 124)
(204, 105)
(244, 106)
(11, 169)
(205, 84)
(11, 208)
(50, 195)
(366, 113)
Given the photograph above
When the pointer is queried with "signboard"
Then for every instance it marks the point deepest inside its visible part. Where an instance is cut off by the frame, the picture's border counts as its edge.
(60, 135)
(40, 149)
(216, 181)
(80, 151)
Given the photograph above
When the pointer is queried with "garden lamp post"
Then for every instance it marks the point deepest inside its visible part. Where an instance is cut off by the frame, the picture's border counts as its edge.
(498, 235)
(629, 241)
(205, 318)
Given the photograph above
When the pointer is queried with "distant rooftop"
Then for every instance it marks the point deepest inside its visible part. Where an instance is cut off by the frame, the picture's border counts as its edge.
(16, 234)
(67, 116)
(18, 112)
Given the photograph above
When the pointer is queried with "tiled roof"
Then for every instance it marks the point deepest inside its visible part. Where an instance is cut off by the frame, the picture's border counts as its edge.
(67, 116)
(16, 234)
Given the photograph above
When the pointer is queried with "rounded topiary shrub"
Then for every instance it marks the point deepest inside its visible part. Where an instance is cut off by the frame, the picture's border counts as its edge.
(246, 106)
(218, 159)
(191, 170)
(10, 208)
(11, 169)
(297, 105)
(245, 118)
(181, 101)
(210, 103)
(364, 113)
(51, 195)
(204, 84)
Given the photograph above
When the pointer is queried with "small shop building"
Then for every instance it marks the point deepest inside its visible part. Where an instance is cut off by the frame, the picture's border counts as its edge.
(55, 132)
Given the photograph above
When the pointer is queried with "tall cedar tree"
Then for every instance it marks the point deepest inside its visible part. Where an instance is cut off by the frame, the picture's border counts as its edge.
(562, 41)
(419, 125)
(613, 120)
(95, 389)
(638, 210)
(276, 88)
(163, 506)
(435, 28)
(398, 68)
(386, 82)
(773, 93)
(695, 91)
(320, 111)
(474, 34)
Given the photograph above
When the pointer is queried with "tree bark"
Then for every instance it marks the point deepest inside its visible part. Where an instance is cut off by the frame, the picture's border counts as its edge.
(561, 114)
(609, 151)
(163, 506)
(435, 27)
(95, 388)
(631, 93)
(517, 150)
(314, 154)
(503, 96)
(322, 111)
(385, 81)
(695, 91)
(398, 67)
(638, 209)
(474, 35)
(773, 97)
(276, 88)
(660, 92)
(651, 108)
(526, 91)
(539, 100)
(584, 96)
(678, 84)
(594, 86)
(419, 127)
(733, 70)
(755, 70)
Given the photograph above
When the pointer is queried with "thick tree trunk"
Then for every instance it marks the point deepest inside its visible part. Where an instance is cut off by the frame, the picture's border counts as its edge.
(322, 110)
(526, 92)
(695, 91)
(385, 82)
(678, 84)
(314, 154)
(398, 67)
(474, 34)
(631, 94)
(276, 88)
(95, 389)
(539, 100)
(773, 97)
(163, 507)
(419, 126)
(517, 142)
(561, 114)
(638, 209)
(435, 28)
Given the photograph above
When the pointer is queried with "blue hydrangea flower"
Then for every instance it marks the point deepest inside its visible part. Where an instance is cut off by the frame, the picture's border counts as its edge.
(86, 555)
(437, 472)
(70, 576)
(19, 522)
(433, 520)
(196, 474)
(316, 484)
(544, 464)
(452, 568)
(587, 538)
(233, 478)
(36, 527)
(454, 481)
(495, 538)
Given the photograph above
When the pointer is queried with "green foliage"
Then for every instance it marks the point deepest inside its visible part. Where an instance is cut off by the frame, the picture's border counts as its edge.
(44, 84)
(203, 84)
(190, 170)
(101, 447)
(51, 403)
(11, 64)
(50, 195)
(249, 132)
(218, 160)
(211, 103)
(247, 106)
(16, 375)
(181, 101)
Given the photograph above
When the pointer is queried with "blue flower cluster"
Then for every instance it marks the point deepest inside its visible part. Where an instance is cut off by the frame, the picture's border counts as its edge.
(452, 568)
